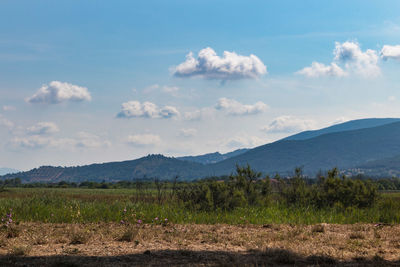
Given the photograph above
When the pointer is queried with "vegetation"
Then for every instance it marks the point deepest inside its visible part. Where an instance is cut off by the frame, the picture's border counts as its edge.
(244, 197)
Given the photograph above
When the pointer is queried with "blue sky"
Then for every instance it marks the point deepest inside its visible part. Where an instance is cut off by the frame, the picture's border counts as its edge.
(95, 81)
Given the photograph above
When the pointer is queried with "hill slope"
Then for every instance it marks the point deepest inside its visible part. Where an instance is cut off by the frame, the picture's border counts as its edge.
(213, 157)
(4, 171)
(346, 126)
(342, 149)
(146, 167)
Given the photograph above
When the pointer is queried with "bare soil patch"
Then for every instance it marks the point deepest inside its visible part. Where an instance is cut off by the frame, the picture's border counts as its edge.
(39, 244)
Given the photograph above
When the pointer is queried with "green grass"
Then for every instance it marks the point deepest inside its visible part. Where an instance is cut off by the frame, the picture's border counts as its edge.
(107, 205)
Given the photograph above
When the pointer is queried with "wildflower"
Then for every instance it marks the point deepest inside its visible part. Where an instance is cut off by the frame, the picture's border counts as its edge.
(122, 222)
(156, 218)
(139, 221)
(124, 210)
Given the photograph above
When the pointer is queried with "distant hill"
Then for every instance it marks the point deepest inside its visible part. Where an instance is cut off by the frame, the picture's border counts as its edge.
(213, 157)
(346, 126)
(146, 167)
(341, 149)
(382, 167)
(4, 171)
(373, 150)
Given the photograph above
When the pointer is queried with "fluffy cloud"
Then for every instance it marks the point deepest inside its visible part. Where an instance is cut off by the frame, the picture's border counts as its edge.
(364, 63)
(318, 69)
(390, 52)
(354, 60)
(233, 107)
(56, 92)
(143, 140)
(134, 109)
(288, 124)
(188, 132)
(230, 66)
(43, 128)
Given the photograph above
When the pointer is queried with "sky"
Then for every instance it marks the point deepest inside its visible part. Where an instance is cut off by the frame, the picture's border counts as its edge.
(97, 81)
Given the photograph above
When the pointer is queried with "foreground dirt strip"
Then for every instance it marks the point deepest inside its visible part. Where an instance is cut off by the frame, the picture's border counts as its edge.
(36, 244)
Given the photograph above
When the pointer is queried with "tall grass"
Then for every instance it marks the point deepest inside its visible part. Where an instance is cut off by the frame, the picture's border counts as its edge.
(120, 205)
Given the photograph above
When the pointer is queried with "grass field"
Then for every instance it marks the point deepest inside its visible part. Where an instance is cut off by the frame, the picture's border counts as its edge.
(116, 205)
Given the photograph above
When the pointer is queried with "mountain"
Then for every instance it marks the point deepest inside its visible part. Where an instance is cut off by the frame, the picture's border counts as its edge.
(345, 149)
(146, 167)
(374, 150)
(4, 171)
(346, 126)
(213, 157)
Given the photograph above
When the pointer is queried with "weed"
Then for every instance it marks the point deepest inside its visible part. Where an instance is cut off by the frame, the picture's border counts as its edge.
(318, 228)
(129, 235)
(79, 237)
(20, 250)
(356, 235)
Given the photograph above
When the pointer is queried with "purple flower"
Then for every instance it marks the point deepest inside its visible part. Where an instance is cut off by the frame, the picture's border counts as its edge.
(139, 221)
(156, 219)
(125, 210)
(122, 221)
(166, 220)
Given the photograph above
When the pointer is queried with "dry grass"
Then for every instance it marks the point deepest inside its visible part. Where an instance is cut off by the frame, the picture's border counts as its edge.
(198, 244)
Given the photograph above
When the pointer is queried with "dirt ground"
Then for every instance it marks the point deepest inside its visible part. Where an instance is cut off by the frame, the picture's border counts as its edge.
(38, 244)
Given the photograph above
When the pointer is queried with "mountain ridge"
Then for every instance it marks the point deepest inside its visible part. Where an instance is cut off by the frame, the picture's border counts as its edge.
(349, 149)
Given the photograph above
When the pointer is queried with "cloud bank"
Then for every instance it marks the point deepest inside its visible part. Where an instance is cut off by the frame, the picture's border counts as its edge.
(390, 52)
(135, 109)
(143, 140)
(233, 107)
(57, 92)
(288, 124)
(353, 59)
(43, 128)
(230, 66)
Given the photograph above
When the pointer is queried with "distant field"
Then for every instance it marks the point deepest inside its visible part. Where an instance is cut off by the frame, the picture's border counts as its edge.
(115, 205)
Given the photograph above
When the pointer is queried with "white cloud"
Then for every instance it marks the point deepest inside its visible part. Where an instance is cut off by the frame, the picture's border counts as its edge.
(56, 92)
(32, 142)
(134, 109)
(392, 98)
(340, 120)
(43, 128)
(363, 63)
(244, 141)
(188, 132)
(354, 61)
(233, 107)
(390, 52)
(318, 69)
(88, 140)
(82, 140)
(230, 66)
(9, 108)
(199, 114)
(288, 124)
(144, 140)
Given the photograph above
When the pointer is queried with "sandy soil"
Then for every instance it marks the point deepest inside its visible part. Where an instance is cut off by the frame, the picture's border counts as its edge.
(36, 244)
